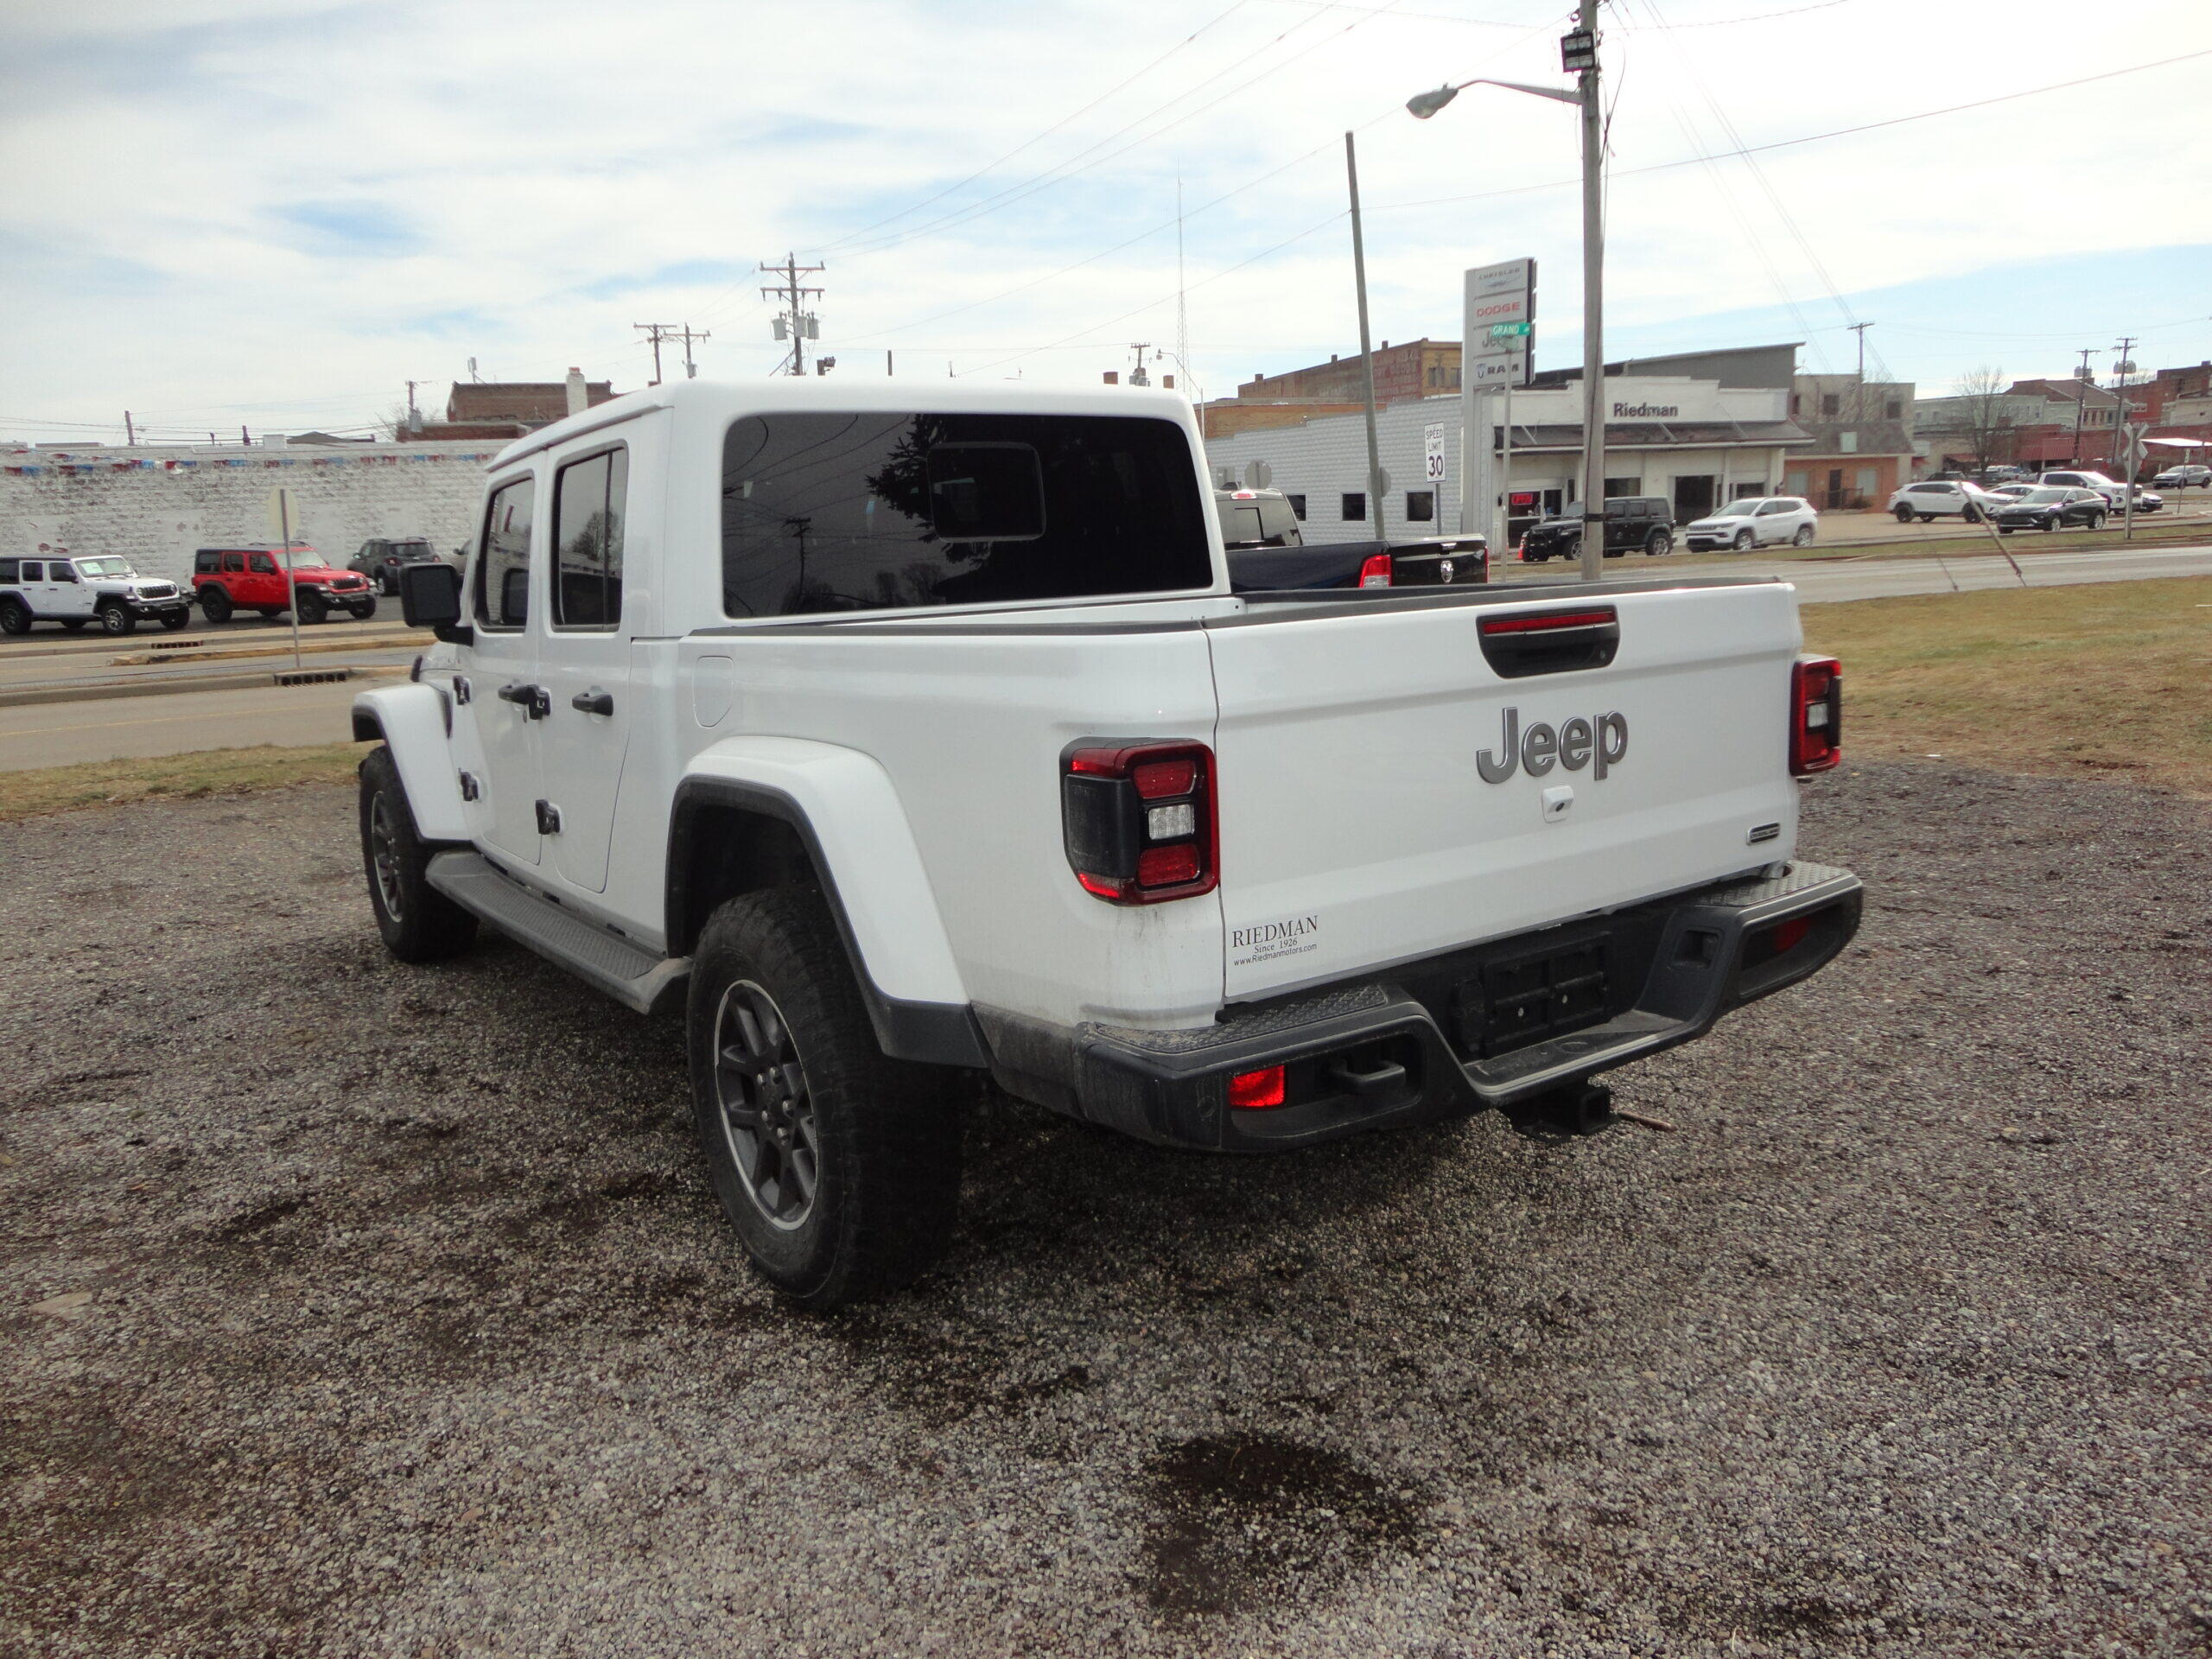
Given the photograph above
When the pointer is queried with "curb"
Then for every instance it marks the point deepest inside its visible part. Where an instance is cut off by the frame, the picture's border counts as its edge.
(245, 680)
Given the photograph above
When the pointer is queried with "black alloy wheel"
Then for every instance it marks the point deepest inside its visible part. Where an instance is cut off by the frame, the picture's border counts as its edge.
(765, 1117)
(215, 604)
(313, 609)
(418, 923)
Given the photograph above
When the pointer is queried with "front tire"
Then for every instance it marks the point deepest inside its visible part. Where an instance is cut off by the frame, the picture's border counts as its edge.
(1743, 542)
(116, 621)
(838, 1167)
(313, 609)
(418, 923)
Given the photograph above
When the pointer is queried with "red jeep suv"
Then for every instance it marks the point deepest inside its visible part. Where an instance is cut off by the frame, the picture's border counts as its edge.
(228, 579)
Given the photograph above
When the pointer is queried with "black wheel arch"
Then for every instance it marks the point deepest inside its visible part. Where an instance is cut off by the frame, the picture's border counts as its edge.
(727, 839)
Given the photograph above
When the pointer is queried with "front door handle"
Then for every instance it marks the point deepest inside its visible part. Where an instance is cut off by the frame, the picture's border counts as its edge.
(593, 701)
(534, 700)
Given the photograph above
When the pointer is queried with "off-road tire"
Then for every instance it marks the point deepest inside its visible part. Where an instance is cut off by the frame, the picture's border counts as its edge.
(115, 619)
(214, 604)
(365, 610)
(418, 923)
(14, 617)
(313, 609)
(888, 1132)
(174, 620)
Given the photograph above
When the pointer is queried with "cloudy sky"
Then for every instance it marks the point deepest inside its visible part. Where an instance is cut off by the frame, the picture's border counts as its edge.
(276, 211)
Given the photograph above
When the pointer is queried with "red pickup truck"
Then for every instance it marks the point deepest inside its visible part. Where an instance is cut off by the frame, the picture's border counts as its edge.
(229, 578)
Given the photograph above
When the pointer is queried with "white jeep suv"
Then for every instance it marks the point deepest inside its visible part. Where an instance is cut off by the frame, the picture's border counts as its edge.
(1756, 521)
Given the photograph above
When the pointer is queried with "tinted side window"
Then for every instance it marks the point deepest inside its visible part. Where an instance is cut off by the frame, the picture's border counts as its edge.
(203, 564)
(234, 563)
(56, 571)
(503, 574)
(827, 511)
(261, 564)
(7, 568)
(588, 514)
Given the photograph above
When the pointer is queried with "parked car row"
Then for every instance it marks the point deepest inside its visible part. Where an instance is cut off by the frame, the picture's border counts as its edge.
(1939, 497)
(260, 577)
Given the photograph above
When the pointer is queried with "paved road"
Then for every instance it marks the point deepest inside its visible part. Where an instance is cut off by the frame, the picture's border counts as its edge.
(1844, 579)
(62, 734)
(58, 734)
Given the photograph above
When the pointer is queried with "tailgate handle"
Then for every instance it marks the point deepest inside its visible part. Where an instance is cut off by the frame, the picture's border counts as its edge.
(1523, 643)
(1381, 1078)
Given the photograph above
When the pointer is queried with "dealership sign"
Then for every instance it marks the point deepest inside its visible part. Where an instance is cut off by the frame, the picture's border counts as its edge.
(1501, 307)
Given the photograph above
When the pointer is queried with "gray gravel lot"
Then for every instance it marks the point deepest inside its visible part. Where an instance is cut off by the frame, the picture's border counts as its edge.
(412, 1328)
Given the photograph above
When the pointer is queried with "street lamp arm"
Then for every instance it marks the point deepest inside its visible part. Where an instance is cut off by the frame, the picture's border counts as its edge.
(1424, 105)
(1552, 92)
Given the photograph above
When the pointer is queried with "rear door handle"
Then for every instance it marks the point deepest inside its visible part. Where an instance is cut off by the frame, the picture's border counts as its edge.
(593, 701)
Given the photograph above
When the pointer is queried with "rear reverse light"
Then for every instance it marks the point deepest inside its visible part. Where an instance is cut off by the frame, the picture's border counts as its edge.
(1138, 820)
(1815, 715)
(1375, 570)
(1251, 1091)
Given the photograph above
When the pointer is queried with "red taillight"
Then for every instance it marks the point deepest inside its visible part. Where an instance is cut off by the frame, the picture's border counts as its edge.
(1375, 570)
(1254, 1089)
(1791, 934)
(1815, 715)
(1138, 820)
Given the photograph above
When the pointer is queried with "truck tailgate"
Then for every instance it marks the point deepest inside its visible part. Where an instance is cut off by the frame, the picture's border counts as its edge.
(1358, 830)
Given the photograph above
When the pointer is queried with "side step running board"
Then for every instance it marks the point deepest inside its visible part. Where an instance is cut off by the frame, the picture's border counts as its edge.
(636, 978)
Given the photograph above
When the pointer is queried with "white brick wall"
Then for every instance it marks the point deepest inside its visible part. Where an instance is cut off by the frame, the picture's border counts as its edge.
(1325, 459)
(154, 506)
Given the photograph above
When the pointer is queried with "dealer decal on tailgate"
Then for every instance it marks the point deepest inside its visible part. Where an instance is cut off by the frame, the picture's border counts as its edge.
(1268, 941)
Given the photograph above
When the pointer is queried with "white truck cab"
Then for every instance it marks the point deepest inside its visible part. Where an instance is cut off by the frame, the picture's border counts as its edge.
(900, 730)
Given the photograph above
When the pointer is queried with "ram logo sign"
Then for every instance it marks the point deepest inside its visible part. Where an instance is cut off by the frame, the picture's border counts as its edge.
(1599, 742)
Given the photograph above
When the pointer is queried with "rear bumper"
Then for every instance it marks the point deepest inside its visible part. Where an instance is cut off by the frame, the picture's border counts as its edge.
(1438, 1038)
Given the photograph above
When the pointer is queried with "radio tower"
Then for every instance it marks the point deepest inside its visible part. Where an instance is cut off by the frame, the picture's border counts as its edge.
(794, 323)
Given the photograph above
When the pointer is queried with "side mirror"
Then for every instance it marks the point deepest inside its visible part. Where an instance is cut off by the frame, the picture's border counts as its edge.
(429, 597)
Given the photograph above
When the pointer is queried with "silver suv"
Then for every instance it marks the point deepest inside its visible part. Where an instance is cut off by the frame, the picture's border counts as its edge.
(1940, 497)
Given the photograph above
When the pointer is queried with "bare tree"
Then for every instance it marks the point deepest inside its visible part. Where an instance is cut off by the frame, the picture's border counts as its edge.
(393, 421)
(1985, 416)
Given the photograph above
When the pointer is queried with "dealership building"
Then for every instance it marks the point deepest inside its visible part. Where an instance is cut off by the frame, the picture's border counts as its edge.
(1697, 428)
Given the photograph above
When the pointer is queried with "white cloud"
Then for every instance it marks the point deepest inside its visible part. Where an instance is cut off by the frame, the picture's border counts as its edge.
(281, 209)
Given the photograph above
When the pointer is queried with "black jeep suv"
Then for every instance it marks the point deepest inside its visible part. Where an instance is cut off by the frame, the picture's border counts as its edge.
(1633, 522)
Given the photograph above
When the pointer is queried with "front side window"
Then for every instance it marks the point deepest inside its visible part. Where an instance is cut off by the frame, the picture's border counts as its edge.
(828, 512)
(503, 574)
(588, 498)
(58, 571)
(262, 565)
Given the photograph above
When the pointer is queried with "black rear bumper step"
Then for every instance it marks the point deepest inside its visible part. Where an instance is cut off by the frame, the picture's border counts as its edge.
(1676, 965)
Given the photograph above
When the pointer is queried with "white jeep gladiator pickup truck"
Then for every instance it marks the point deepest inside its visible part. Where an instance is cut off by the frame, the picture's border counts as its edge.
(904, 731)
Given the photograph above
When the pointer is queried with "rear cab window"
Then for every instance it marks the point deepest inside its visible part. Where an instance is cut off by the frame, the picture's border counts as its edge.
(825, 512)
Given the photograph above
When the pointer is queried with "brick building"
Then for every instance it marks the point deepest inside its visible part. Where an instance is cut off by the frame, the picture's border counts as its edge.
(1419, 368)
(506, 410)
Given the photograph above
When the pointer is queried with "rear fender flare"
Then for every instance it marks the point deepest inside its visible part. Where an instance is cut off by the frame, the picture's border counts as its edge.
(846, 812)
(415, 722)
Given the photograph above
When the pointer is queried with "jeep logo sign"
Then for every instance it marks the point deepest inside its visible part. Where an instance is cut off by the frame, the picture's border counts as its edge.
(1599, 744)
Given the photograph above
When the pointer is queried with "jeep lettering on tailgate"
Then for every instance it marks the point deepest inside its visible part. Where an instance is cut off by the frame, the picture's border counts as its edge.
(1599, 744)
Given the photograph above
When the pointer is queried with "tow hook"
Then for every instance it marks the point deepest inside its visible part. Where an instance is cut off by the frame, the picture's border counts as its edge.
(1574, 1108)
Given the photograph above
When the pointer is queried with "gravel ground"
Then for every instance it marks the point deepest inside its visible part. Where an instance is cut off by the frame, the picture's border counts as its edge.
(360, 1309)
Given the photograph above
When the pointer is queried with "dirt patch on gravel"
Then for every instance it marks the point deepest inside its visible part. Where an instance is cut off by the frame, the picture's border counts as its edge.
(412, 1328)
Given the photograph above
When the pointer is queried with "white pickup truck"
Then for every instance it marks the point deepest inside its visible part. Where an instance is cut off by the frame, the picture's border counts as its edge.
(911, 731)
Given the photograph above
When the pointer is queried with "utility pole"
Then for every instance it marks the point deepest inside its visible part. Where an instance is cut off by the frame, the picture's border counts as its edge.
(1859, 403)
(1137, 376)
(690, 369)
(2081, 402)
(130, 434)
(654, 333)
(1578, 55)
(793, 322)
(2121, 436)
(1375, 483)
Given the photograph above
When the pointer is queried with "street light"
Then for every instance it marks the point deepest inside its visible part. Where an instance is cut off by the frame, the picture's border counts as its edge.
(1579, 56)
